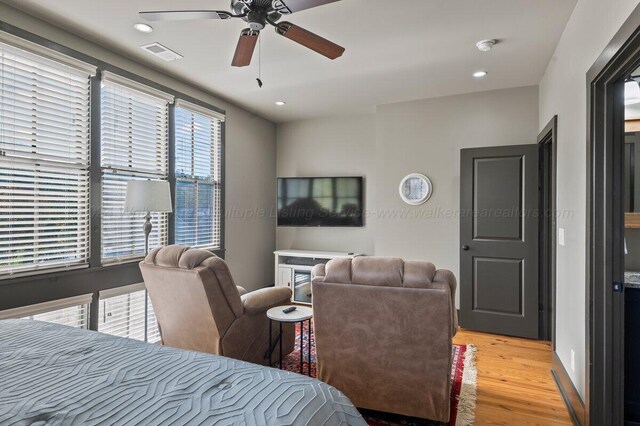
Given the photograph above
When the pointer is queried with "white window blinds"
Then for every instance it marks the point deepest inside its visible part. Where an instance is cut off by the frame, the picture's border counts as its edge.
(73, 316)
(44, 163)
(127, 312)
(73, 312)
(134, 145)
(198, 150)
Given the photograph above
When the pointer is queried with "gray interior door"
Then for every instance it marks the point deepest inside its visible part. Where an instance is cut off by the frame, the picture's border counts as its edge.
(499, 240)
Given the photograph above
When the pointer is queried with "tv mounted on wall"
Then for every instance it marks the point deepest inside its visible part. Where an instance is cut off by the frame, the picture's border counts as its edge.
(321, 201)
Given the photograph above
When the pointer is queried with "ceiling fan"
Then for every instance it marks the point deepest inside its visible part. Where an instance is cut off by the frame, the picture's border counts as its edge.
(258, 14)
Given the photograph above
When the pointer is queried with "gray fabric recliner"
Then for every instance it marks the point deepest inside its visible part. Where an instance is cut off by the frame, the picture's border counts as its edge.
(384, 331)
(199, 307)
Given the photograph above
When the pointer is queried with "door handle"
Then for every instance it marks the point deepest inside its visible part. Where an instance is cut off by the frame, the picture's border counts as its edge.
(465, 247)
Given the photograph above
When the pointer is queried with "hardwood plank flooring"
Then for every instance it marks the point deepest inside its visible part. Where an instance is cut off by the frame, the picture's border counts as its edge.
(515, 386)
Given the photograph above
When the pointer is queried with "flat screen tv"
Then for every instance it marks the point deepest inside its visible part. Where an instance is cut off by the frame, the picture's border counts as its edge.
(320, 201)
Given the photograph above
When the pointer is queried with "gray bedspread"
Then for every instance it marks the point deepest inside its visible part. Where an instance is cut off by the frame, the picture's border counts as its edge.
(55, 375)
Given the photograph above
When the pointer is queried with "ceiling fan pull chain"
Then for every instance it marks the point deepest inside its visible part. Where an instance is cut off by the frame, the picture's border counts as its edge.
(259, 79)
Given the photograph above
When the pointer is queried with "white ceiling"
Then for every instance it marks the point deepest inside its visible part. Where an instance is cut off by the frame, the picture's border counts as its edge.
(396, 50)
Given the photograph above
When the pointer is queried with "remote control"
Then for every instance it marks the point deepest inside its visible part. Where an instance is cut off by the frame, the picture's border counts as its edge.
(289, 309)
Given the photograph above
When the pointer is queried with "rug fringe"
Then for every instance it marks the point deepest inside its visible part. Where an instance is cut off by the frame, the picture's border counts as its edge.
(468, 390)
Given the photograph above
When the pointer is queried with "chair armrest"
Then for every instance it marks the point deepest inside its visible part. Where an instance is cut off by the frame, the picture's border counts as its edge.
(318, 272)
(262, 300)
(445, 279)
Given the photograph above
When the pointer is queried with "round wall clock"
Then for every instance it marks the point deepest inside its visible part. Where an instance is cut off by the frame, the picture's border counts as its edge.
(415, 189)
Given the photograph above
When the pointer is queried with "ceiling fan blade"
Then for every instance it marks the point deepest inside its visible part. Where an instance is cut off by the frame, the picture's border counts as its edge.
(291, 6)
(310, 40)
(184, 15)
(245, 48)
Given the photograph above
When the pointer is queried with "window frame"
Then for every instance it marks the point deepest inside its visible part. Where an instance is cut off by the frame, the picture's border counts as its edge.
(150, 331)
(216, 180)
(136, 93)
(55, 285)
(44, 67)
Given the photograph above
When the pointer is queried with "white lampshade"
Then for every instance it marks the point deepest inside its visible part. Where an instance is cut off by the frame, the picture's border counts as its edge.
(148, 196)
(631, 92)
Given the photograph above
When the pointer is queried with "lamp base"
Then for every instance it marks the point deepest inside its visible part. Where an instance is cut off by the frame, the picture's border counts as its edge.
(147, 230)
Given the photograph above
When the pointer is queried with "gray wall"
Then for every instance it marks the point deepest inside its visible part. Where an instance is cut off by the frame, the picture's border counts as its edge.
(330, 147)
(563, 92)
(250, 145)
(426, 137)
(422, 136)
(250, 171)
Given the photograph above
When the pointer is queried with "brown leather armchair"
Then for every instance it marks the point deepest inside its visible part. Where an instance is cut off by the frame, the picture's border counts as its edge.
(383, 332)
(199, 307)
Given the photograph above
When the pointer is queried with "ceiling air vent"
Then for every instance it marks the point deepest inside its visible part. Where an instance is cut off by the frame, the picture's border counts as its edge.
(161, 52)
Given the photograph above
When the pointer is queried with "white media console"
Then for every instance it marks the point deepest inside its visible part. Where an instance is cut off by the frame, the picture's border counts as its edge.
(293, 270)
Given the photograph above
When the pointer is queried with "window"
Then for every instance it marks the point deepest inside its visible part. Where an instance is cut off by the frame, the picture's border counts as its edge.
(47, 169)
(198, 150)
(74, 316)
(134, 145)
(44, 162)
(127, 312)
(72, 312)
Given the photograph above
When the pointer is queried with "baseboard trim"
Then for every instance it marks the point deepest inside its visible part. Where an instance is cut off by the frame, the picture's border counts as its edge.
(569, 393)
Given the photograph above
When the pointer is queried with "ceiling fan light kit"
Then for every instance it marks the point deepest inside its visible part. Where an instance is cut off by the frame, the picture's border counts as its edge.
(258, 14)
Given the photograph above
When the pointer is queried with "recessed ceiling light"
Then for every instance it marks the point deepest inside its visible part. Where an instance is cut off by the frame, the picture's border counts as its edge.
(479, 74)
(143, 28)
(281, 103)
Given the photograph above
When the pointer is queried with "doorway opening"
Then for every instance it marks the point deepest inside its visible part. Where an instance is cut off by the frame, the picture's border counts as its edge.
(611, 255)
(631, 259)
(547, 236)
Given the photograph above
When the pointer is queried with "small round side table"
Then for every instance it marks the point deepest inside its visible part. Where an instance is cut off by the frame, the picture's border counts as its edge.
(300, 315)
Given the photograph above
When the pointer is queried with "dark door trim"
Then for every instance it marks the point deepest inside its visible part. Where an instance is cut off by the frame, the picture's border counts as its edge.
(547, 140)
(604, 402)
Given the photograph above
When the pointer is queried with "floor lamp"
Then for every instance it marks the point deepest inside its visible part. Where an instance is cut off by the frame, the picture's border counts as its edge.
(148, 196)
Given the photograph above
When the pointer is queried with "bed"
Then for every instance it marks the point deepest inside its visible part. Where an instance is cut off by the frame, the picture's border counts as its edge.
(56, 375)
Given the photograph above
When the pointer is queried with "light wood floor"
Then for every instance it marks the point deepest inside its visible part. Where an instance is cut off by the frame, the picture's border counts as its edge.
(515, 386)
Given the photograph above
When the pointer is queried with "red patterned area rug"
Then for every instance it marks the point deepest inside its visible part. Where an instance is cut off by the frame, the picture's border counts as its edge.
(463, 385)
